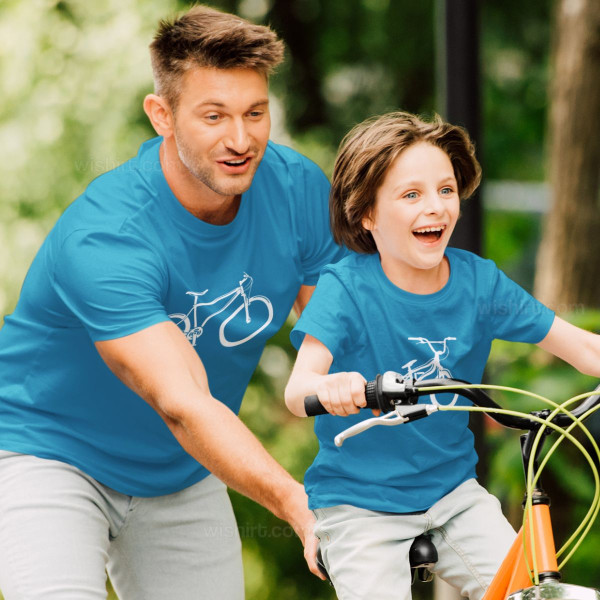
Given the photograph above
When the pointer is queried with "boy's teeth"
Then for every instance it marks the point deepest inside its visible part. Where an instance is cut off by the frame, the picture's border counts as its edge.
(426, 229)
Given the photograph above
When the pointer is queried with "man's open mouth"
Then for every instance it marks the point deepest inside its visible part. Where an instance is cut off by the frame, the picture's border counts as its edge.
(429, 234)
(236, 162)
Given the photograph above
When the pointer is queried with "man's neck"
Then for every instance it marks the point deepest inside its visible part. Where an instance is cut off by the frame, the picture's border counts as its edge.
(193, 195)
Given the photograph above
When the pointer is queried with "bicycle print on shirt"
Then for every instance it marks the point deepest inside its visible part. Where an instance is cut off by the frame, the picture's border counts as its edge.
(432, 368)
(190, 323)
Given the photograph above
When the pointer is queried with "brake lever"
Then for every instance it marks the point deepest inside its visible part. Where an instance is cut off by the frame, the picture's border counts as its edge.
(400, 415)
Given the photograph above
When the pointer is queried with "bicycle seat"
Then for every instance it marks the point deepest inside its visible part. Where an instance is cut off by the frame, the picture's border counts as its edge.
(422, 556)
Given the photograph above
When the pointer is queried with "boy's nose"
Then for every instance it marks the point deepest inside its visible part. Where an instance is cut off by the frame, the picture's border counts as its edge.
(433, 203)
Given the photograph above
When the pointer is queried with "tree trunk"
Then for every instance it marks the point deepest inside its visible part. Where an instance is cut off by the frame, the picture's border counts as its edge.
(568, 269)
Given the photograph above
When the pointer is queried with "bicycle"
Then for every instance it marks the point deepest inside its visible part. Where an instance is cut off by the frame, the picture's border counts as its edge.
(530, 570)
(193, 330)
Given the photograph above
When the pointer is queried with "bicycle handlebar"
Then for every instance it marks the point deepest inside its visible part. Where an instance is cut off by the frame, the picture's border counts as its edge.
(388, 391)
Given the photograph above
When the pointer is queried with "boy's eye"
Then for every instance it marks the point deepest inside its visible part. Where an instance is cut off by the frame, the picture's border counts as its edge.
(447, 190)
(411, 195)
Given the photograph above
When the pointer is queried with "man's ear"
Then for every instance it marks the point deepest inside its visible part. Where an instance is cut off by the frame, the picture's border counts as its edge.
(160, 114)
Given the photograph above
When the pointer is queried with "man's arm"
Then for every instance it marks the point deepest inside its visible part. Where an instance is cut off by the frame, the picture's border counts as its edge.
(306, 291)
(160, 365)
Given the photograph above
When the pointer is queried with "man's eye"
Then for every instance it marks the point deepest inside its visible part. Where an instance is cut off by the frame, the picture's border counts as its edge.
(212, 117)
(256, 114)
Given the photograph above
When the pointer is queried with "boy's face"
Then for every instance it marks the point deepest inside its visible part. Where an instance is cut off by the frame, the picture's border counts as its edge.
(415, 212)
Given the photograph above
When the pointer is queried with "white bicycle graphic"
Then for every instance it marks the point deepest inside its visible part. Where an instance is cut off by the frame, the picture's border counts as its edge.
(188, 323)
(433, 368)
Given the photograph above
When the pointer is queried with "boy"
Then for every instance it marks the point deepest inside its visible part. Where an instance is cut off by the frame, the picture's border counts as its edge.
(406, 302)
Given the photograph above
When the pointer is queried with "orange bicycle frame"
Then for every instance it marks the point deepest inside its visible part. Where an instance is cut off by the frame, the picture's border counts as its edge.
(514, 573)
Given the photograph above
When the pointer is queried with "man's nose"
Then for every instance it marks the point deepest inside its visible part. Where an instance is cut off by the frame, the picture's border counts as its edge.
(237, 139)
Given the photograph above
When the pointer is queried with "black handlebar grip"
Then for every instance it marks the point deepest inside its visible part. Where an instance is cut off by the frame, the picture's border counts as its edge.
(371, 394)
(313, 407)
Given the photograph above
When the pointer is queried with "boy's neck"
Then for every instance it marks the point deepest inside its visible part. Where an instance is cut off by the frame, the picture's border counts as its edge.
(417, 281)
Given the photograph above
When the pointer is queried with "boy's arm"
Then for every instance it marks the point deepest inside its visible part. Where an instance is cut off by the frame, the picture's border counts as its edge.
(578, 347)
(340, 393)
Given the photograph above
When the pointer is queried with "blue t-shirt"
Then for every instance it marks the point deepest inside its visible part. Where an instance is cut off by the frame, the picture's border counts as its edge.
(124, 256)
(371, 326)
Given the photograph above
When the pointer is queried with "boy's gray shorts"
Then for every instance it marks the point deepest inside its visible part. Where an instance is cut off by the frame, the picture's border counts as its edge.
(366, 552)
(60, 530)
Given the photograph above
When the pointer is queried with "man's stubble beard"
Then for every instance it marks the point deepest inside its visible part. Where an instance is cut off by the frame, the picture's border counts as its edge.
(204, 174)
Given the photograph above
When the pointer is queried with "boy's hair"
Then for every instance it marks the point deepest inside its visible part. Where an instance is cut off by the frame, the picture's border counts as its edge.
(205, 37)
(363, 160)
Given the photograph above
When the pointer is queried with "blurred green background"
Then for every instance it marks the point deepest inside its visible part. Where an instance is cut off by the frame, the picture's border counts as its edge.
(74, 74)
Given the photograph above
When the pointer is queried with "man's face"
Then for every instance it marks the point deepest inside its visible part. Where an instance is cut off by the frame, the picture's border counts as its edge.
(222, 126)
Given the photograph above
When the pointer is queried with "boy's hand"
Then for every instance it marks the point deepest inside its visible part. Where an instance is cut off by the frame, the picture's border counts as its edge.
(342, 394)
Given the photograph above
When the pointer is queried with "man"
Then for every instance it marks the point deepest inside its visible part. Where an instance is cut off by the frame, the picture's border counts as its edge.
(139, 325)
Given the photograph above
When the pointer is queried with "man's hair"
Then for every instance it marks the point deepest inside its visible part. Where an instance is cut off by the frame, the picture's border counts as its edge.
(205, 37)
(367, 152)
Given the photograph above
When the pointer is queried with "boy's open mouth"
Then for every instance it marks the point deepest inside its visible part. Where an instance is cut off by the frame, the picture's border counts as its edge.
(429, 234)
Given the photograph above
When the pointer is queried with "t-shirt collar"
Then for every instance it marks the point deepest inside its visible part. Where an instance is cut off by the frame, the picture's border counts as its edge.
(405, 296)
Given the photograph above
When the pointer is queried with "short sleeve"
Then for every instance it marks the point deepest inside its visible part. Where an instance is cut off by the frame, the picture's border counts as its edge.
(330, 316)
(514, 314)
(112, 282)
(317, 248)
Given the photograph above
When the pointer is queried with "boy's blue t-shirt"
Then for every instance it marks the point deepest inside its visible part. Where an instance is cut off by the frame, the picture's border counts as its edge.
(124, 256)
(371, 326)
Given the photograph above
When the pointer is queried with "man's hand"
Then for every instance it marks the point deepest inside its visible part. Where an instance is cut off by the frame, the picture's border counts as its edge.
(303, 522)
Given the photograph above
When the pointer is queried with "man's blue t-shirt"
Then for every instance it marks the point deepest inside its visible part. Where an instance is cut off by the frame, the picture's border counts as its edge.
(124, 256)
(371, 326)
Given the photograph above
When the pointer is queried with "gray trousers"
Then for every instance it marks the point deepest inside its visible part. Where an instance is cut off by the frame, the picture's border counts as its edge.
(366, 552)
(60, 530)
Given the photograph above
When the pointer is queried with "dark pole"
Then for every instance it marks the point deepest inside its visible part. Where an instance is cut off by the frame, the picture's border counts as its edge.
(458, 91)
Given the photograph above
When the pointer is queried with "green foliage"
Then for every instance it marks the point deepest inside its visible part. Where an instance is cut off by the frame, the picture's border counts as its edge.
(73, 76)
(515, 69)
(511, 240)
(352, 59)
(567, 476)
